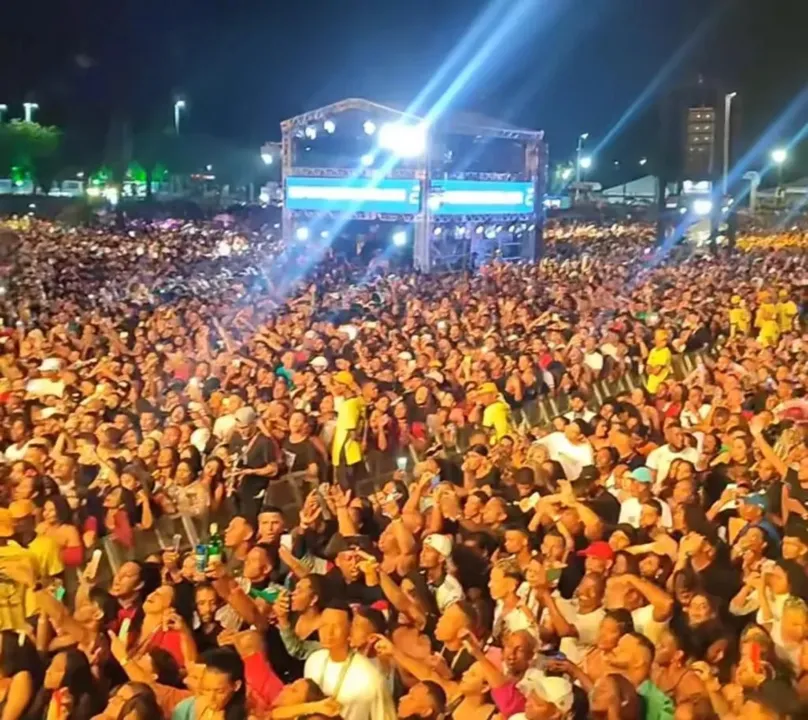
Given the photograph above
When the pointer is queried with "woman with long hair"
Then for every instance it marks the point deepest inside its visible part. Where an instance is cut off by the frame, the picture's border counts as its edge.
(221, 693)
(20, 674)
(57, 525)
(69, 688)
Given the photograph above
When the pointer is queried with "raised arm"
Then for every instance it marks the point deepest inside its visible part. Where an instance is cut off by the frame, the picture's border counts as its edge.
(661, 601)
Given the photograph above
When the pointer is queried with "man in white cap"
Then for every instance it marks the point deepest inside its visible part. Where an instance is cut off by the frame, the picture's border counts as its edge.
(445, 587)
(548, 698)
(255, 461)
(49, 383)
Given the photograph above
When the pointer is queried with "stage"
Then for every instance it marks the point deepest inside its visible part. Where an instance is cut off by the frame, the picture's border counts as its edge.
(452, 191)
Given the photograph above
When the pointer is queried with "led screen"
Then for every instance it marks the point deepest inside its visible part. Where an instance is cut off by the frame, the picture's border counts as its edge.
(481, 197)
(353, 195)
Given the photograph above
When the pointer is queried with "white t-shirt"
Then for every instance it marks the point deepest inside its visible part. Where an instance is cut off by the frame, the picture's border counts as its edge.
(42, 387)
(630, 513)
(573, 458)
(513, 621)
(585, 415)
(363, 693)
(661, 459)
(448, 592)
(644, 623)
(587, 625)
(690, 418)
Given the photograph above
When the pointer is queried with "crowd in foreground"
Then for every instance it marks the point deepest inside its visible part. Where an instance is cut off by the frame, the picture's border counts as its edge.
(458, 554)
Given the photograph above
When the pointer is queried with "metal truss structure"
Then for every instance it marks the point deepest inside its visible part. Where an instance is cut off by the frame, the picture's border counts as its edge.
(430, 252)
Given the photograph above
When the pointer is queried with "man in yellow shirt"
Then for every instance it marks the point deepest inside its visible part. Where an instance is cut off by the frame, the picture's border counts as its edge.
(43, 550)
(346, 451)
(766, 309)
(658, 365)
(740, 319)
(12, 594)
(786, 311)
(769, 327)
(497, 414)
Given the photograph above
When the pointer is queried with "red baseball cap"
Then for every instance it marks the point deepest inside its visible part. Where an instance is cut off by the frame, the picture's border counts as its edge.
(598, 549)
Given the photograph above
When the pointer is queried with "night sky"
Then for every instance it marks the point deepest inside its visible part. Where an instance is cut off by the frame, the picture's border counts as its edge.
(566, 66)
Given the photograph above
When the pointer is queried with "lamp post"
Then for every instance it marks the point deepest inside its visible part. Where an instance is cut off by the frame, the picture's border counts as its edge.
(179, 105)
(581, 140)
(29, 110)
(3, 111)
(779, 157)
(728, 98)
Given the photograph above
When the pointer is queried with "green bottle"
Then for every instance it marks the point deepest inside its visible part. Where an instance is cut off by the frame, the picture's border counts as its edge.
(215, 545)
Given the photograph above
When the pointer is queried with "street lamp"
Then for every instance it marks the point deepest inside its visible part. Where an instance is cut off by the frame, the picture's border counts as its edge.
(581, 140)
(178, 106)
(728, 98)
(779, 157)
(3, 111)
(29, 110)
(585, 162)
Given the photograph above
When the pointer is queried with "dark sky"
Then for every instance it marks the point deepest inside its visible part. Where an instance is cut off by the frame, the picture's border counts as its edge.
(566, 66)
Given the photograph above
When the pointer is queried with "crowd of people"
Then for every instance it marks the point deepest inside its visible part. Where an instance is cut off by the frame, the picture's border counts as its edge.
(517, 500)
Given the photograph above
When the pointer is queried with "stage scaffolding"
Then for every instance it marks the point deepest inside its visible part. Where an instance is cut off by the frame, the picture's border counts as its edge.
(430, 252)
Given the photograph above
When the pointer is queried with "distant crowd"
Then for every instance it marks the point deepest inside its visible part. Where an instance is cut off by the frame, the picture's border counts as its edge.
(518, 499)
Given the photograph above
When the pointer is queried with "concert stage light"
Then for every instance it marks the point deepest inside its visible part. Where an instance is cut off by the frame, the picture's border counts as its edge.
(438, 231)
(406, 141)
(367, 160)
(329, 126)
(302, 233)
(586, 162)
(369, 127)
(400, 238)
(324, 234)
(311, 132)
(267, 158)
(480, 229)
(702, 206)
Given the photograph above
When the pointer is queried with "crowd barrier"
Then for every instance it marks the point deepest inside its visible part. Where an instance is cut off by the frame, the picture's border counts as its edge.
(290, 490)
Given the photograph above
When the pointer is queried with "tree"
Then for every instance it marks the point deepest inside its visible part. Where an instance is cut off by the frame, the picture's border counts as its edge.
(31, 148)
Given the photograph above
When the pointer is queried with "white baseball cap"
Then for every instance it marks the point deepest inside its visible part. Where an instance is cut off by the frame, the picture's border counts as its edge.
(554, 690)
(442, 544)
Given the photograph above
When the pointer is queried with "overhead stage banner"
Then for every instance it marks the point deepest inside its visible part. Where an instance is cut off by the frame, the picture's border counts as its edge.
(353, 195)
(481, 197)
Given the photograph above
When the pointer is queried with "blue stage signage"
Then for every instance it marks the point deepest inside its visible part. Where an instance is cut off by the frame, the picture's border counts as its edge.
(353, 195)
(481, 197)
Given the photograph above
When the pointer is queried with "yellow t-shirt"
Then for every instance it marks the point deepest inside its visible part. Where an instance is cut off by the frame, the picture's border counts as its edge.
(498, 416)
(13, 595)
(350, 415)
(769, 333)
(739, 320)
(764, 312)
(786, 312)
(47, 559)
(658, 358)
